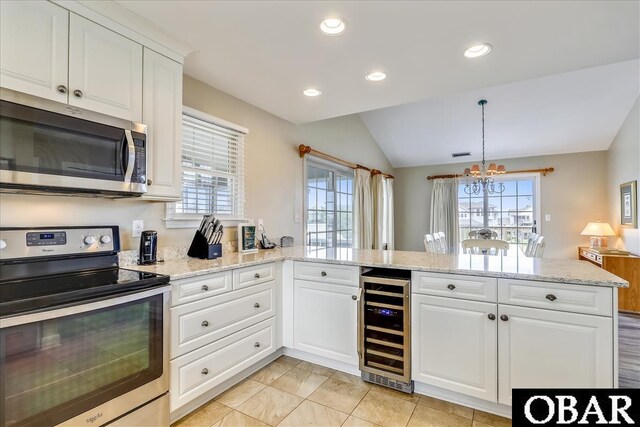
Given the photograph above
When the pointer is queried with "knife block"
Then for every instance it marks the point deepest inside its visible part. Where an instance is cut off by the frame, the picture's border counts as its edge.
(201, 249)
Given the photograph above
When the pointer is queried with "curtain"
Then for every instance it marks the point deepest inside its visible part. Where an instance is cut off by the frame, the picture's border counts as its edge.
(362, 210)
(382, 193)
(444, 210)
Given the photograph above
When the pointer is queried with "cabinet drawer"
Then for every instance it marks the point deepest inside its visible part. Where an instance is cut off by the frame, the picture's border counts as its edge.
(202, 322)
(197, 372)
(195, 288)
(327, 273)
(253, 275)
(554, 296)
(454, 285)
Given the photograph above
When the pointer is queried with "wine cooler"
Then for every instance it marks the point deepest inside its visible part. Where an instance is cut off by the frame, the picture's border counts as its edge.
(384, 336)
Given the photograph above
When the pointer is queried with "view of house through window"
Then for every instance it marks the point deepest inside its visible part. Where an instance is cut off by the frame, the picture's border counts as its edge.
(329, 220)
(512, 214)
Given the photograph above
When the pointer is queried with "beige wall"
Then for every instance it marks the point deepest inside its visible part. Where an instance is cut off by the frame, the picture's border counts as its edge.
(573, 195)
(273, 174)
(623, 159)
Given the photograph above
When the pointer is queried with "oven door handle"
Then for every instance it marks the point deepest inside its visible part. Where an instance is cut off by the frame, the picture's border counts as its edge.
(131, 155)
(40, 316)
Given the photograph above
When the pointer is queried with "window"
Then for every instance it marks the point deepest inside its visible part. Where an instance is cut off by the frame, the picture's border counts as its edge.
(212, 168)
(512, 214)
(329, 205)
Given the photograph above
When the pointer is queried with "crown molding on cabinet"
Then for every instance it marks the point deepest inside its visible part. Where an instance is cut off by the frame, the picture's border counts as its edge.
(117, 18)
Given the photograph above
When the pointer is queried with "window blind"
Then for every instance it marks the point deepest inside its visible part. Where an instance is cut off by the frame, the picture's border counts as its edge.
(212, 169)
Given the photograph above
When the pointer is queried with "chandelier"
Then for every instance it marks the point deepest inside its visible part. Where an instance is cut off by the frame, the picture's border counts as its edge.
(482, 177)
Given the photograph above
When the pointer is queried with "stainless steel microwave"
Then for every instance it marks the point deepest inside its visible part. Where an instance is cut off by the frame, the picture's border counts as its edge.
(46, 146)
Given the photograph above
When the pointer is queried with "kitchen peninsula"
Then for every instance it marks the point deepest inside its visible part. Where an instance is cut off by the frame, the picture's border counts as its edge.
(480, 325)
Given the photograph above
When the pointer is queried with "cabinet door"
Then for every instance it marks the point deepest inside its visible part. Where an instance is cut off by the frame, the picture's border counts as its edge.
(162, 113)
(105, 70)
(454, 345)
(548, 349)
(34, 48)
(325, 320)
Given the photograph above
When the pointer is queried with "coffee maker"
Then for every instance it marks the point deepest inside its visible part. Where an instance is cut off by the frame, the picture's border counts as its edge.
(148, 247)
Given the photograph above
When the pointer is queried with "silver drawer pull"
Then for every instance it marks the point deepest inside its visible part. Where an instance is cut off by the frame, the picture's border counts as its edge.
(205, 371)
(205, 323)
(451, 287)
(257, 275)
(77, 93)
(205, 288)
(256, 305)
(62, 89)
(323, 273)
(257, 344)
(491, 316)
(551, 297)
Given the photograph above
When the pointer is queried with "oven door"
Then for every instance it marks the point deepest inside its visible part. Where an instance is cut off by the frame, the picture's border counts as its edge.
(57, 148)
(87, 364)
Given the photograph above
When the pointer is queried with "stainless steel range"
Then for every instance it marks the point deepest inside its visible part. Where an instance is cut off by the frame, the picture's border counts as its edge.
(82, 341)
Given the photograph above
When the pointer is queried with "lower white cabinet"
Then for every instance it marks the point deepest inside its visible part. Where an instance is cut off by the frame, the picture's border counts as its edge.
(550, 349)
(455, 345)
(197, 372)
(325, 320)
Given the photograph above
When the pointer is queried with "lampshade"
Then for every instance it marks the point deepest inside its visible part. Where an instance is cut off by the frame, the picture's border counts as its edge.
(598, 229)
(475, 169)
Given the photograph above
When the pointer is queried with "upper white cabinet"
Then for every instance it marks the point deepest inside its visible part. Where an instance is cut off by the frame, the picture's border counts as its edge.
(551, 349)
(455, 345)
(105, 70)
(162, 113)
(34, 49)
(325, 320)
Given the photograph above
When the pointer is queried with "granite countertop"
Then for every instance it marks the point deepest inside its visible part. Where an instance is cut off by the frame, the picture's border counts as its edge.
(515, 266)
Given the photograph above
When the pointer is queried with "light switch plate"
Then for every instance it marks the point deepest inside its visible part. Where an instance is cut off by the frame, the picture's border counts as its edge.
(547, 217)
(137, 225)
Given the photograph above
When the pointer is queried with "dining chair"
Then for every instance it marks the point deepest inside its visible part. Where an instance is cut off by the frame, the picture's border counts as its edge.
(530, 244)
(429, 243)
(444, 248)
(474, 234)
(484, 246)
(538, 247)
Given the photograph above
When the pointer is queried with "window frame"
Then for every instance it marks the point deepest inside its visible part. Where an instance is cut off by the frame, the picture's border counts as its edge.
(334, 167)
(190, 220)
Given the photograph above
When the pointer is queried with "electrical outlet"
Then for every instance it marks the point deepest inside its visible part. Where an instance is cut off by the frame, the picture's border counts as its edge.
(137, 225)
(260, 226)
(547, 217)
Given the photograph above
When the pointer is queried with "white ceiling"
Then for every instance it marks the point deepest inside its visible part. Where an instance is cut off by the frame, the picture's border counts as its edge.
(267, 52)
(564, 113)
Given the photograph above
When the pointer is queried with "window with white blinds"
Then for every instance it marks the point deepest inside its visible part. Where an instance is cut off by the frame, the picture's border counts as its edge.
(212, 169)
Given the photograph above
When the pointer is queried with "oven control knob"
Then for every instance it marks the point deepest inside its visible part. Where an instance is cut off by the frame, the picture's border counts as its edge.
(105, 239)
(89, 240)
(3, 244)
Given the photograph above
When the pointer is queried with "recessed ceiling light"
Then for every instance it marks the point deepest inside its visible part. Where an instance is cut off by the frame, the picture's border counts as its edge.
(478, 50)
(332, 26)
(376, 76)
(312, 92)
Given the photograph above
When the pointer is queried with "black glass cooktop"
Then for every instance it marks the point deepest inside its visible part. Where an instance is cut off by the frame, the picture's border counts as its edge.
(34, 294)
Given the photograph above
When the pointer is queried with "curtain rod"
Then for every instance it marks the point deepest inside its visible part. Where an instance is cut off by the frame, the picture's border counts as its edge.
(544, 172)
(305, 149)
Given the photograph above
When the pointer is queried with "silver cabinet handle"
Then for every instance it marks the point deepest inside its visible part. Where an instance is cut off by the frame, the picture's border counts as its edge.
(62, 89)
(205, 288)
(256, 305)
(491, 316)
(205, 371)
(354, 297)
(323, 273)
(257, 344)
(504, 317)
(257, 275)
(205, 323)
(551, 297)
(77, 93)
(451, 287)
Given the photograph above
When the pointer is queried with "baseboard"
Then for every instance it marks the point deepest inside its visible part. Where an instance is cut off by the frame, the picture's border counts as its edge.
(461, 399)
(319, 360)
(222, 387)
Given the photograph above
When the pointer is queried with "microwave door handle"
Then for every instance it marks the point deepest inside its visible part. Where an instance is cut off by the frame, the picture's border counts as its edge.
(131, 156)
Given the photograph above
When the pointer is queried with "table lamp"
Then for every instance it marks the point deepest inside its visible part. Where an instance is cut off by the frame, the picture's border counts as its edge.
(598, 232)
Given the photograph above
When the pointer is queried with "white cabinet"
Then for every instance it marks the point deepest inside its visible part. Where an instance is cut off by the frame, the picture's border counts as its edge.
(162, 113)
(550, 349)
(325, 320)
(34, 50)
(455, 345)
(105, 70)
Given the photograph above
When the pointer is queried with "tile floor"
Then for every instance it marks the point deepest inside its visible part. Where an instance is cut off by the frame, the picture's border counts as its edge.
(289, 392)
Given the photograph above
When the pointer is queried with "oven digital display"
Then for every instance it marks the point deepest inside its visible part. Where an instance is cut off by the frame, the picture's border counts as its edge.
(47, 238)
